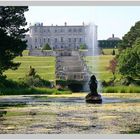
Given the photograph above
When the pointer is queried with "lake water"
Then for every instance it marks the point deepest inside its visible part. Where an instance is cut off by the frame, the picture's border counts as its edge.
(69, 114)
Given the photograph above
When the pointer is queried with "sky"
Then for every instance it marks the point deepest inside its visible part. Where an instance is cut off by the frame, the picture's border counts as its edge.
(110, 20)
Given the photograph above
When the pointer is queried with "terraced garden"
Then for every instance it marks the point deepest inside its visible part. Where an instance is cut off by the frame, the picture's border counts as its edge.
(45, 66)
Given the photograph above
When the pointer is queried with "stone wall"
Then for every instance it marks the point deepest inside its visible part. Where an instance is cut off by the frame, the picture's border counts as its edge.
(41, 53)
(35, 52)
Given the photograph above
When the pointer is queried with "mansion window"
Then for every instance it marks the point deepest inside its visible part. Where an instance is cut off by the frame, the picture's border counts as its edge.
(55, 39)
(35, 29)
(74, 39)
(69, 30)
(80, 39)
(80, 30)
(35, 39)
(78, 76)
(62, 39)
(48, 40)
(69, 39)
(44, 39)
(62, 30)
(74, 30)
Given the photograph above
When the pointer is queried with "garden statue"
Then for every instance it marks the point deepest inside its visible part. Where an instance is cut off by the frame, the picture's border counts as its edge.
(93, 96)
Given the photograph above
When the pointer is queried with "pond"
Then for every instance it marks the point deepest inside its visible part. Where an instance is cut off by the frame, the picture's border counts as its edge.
(69, 114)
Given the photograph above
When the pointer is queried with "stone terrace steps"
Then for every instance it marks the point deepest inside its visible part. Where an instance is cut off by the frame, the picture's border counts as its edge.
(70, 58)
(73, 69)
(72, 64)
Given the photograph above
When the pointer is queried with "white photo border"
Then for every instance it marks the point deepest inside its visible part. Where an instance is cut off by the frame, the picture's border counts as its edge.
(69, 3)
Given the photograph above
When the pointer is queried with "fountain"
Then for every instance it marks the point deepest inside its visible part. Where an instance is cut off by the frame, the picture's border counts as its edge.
(93, 50)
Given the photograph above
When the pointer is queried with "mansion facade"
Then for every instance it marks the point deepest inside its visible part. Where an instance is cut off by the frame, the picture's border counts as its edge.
(58, 37)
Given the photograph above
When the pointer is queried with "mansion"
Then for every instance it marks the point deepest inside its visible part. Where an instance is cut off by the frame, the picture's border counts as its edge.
(58, 37)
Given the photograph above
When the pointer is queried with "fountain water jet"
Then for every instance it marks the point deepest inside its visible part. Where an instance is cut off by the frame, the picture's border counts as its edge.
(93, 51)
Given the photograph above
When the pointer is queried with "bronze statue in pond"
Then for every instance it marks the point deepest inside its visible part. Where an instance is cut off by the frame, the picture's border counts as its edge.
(93, 85)
(93, 96)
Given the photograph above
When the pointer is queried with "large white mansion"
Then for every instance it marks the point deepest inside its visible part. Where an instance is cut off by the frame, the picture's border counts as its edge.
(58, 37)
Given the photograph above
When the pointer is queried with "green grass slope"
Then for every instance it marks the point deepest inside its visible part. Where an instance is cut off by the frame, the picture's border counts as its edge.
(97, 65)
(44, 66)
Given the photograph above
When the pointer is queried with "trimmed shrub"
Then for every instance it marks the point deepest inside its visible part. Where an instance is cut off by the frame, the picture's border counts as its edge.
(4, 83)
(32, 72)
(113, 52)
(104, 83)
(30, 91)
(121, 89)
(46, 47)
(35, 81)
(62, 83)
(127, 81)
(75, 86)
(83, 47)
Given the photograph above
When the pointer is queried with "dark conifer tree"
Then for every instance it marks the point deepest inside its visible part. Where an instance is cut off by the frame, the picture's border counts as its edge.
(12, 34)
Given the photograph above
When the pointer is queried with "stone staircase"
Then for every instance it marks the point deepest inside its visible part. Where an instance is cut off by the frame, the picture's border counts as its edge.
(71, 67)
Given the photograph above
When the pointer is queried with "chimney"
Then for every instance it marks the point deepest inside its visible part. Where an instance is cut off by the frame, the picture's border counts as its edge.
(112, 35)
(83, 24)
(65, 23)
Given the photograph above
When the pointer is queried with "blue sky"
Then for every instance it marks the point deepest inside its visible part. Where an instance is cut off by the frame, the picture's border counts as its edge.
(110, 19)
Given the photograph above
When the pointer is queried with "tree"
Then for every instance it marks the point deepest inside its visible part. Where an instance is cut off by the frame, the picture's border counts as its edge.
(32, 72)
(113, 52)
(83, 46)
(129, 61)
(129, 38)
(47, 47)
(112, 67)
(12, 33)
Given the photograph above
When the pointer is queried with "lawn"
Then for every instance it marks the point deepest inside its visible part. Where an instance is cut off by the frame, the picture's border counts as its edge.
(109, 51)
(44, 66)
(97, 65)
